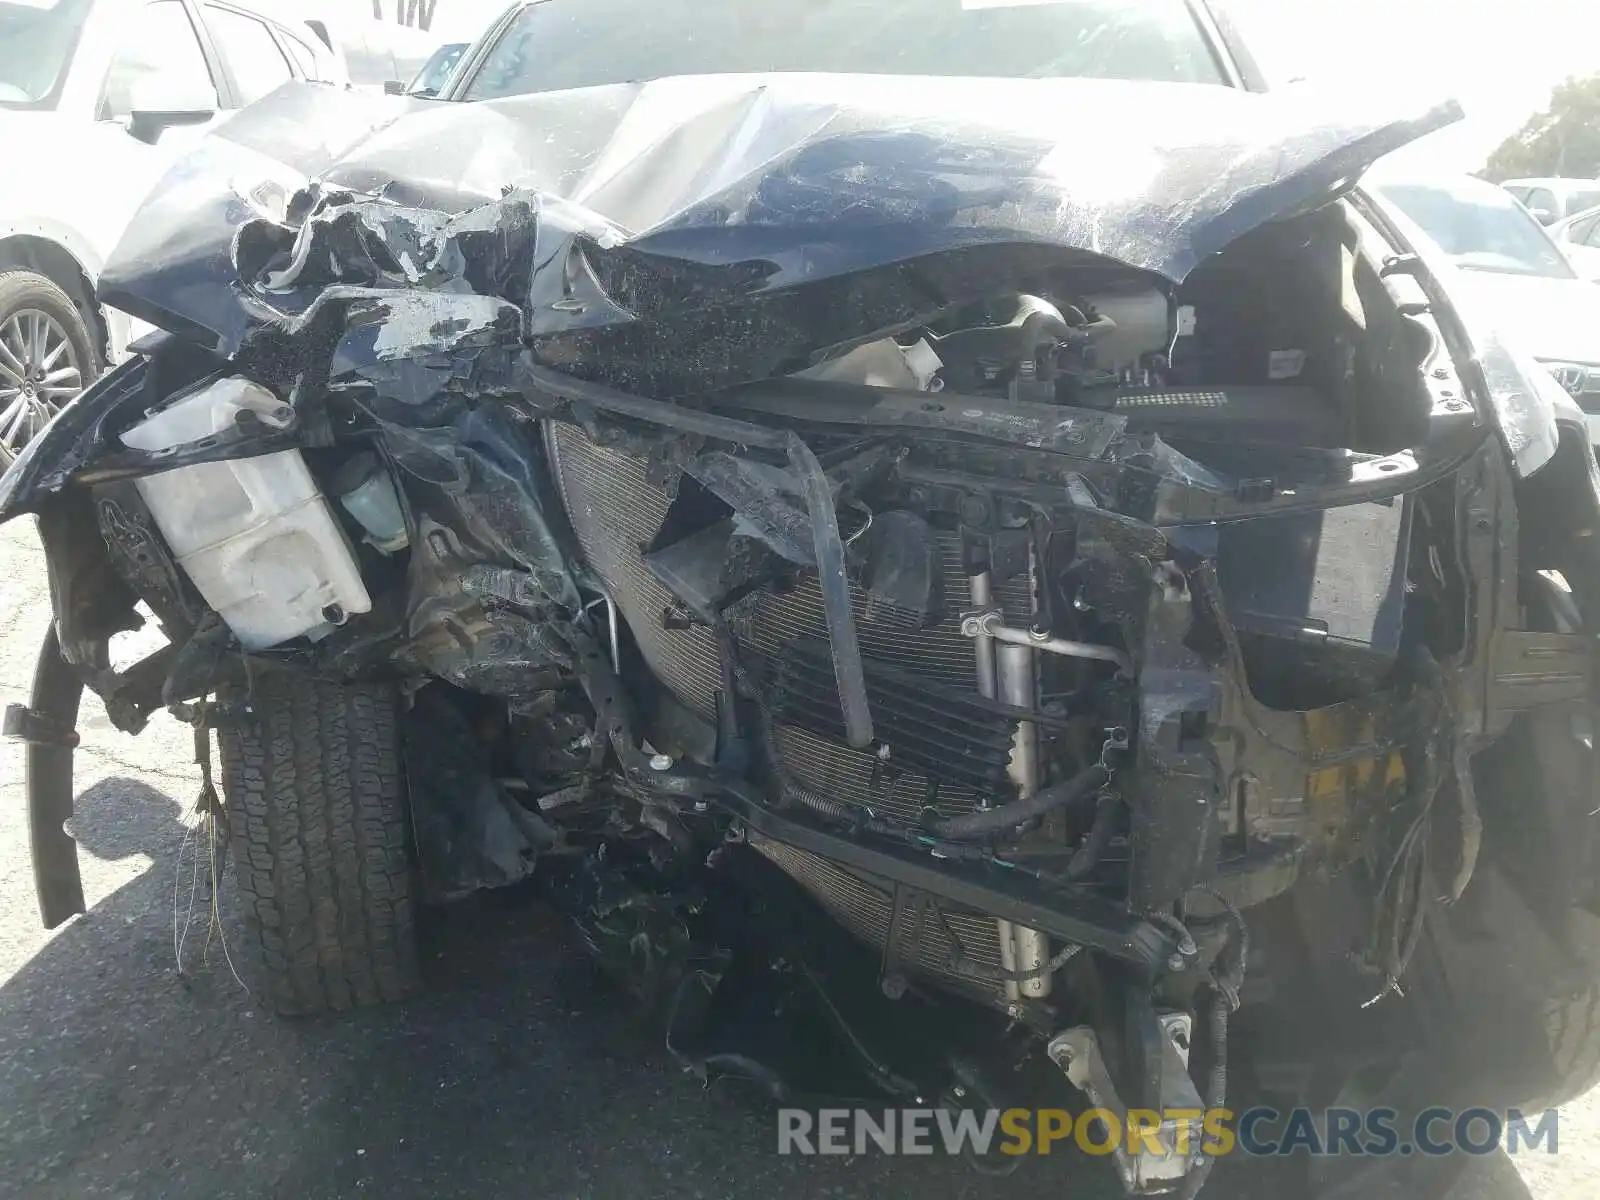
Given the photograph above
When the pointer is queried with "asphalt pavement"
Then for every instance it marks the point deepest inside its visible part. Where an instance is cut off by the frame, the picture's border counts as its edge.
(518, 1073)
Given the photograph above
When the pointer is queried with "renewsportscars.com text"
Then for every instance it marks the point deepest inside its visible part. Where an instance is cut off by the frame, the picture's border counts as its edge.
(1258, 1132)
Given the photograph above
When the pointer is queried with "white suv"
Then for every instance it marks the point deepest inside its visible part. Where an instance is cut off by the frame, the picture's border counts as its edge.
(97, 97)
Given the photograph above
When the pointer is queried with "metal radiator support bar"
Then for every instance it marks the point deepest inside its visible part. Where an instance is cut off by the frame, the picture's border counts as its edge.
(990, 625)
(1006, 672)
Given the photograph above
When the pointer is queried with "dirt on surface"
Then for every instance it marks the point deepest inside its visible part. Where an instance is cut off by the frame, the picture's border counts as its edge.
(519, 1072)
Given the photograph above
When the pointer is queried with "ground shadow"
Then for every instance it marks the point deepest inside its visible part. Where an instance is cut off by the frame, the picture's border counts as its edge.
(518, 1073)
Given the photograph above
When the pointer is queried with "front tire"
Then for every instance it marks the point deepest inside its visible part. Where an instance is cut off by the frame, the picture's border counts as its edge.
(47, 357)
(317, 821)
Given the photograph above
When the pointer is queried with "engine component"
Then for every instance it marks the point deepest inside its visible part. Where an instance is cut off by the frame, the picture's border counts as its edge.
(901, 569)
(1023, 951)
(883, 363)
(1025, 954)
(1144, 1171)
(134, 542)
(1141, 318)
(367, 492)
(616, 508)
(937, 942)
(468, 831)
(1007, 672)
(1016, 355)
(1318, 599)
(990, 821)
(981, 590)
(254, 534)
(1286, 413)
(991, 625)
(948, 733)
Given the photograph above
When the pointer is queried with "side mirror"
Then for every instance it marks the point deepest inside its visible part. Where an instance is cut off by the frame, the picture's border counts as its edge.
(156, 106)
(393, 87)
(1543, 215)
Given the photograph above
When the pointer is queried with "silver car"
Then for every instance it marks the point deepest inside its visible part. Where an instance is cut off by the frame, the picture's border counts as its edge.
(1555, 198)
(1515, 272)
(1579, 238)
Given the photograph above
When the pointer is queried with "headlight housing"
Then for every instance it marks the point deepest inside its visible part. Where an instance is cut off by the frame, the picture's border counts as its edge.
(1577, 378)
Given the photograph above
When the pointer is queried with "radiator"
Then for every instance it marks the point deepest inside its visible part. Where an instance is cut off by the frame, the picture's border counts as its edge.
(616, 510)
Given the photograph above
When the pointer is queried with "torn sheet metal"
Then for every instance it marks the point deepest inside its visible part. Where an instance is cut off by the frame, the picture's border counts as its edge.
(765, 499)
(478, 479)
(470, 834)
(635, 257)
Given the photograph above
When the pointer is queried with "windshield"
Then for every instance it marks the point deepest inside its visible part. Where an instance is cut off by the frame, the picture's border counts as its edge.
(37, 38)
(1481, 227)
(563, 44)
(1580, 199)
(435, 72)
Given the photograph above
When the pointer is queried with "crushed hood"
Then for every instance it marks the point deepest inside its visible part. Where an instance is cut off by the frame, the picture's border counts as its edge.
(632, 203)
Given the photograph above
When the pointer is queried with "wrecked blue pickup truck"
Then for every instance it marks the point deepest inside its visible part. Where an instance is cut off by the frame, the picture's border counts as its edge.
(1025, 603)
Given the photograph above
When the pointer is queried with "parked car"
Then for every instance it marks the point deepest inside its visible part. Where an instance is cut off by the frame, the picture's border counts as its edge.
(951, 540)
(435, 73)
(529, 50)
(376, 54)
(1516, 271)
(100, 96)
(1551, 200)
(1579, 237)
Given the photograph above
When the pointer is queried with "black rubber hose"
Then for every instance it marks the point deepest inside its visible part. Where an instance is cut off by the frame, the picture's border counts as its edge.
(1094, 845)
(57, 688)
(988, 821)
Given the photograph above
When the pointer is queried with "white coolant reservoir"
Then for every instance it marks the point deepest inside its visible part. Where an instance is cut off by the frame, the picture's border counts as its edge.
(254, 534)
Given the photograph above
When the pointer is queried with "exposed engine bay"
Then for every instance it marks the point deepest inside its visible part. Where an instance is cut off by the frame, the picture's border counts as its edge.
(1047, 619)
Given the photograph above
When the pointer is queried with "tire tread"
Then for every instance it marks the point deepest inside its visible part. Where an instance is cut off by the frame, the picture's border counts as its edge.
(317, 818)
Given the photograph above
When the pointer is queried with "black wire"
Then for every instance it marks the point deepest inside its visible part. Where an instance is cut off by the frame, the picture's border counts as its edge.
(1227, 980)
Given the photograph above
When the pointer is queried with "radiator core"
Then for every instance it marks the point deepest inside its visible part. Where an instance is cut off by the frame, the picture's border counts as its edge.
(616, 510)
